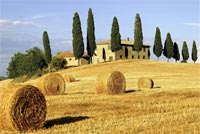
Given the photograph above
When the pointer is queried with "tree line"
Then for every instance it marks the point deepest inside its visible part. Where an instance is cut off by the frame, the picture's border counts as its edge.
(171, 49)
(35, 61)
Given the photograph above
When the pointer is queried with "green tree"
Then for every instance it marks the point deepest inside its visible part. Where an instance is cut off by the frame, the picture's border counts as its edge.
(78, 44)
(47, 49)
(185, 52)
(138, 36)
(194, 52)
(176, 55)
(168, 48)
(157, 48)
(115, 36)
(58, 63)
(104, 55)
(26, 64)
(91, 43)
(16, 65)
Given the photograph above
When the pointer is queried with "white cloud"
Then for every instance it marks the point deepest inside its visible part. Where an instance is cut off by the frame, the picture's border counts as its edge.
(192, 24)
(4, 23)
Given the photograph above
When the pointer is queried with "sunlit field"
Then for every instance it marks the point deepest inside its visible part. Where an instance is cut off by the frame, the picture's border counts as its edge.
(172, 106)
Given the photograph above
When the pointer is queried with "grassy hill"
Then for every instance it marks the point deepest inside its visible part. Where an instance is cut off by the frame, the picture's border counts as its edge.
(173, 106)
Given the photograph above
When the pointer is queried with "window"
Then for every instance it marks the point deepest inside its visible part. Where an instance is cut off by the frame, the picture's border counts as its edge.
(143, 57)
(132, 57)
(120, 56)
(70, 59)
(109, 47)
(110, 58)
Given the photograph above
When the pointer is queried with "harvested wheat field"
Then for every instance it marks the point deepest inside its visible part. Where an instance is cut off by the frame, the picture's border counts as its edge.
(171, 106)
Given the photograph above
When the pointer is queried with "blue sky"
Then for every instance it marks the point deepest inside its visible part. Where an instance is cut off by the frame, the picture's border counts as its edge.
(22, 22)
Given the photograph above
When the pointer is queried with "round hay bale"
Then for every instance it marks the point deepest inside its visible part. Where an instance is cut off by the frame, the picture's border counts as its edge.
(22, 108)
(111, 83)
(69, 78)
(50, 84)
(145, 83)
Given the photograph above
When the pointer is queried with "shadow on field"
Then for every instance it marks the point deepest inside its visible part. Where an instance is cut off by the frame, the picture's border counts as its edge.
(157, 87)
(131, 91)
(64, 120)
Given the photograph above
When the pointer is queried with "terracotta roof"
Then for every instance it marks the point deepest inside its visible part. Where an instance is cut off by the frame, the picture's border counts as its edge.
(126, 42)
(70, 54)
(66, 54)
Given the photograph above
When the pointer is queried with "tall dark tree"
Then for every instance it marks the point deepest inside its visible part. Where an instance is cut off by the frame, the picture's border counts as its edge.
(91, 43)
(168, 51)
(185, 52)
(78, 44)
(115, 36)
(47, 49)
(157, 48)
(176, 55)
(104, 55)
(194, 52)
(138, 36)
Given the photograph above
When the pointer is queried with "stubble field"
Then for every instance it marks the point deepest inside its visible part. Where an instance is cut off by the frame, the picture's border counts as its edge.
(172, 106)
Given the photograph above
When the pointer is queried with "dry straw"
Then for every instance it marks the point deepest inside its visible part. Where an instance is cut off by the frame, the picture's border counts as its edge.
(111, 83)
(50, 84)
(69, 78)
(22, 108)
(145, 83)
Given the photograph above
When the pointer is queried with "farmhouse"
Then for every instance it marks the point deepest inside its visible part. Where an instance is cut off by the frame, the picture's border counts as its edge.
(71, 61)
(103, 53)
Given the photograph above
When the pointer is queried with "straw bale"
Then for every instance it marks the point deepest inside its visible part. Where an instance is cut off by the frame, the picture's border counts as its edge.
(22, 108)
(111, 83)
(69, 78)
(145, 83)
(50, 84)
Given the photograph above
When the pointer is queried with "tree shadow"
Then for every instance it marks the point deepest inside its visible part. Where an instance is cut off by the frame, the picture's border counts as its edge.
(157, 87)
(63, 120)
(131, 91)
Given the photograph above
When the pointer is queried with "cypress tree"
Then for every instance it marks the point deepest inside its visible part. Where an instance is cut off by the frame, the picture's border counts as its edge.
(168, 48)
(47, 49)
(78, 44)
(138, 36)
(176, 52)
(194, 52)
(185, 52)
(91, 43)
(115, 36)
(157, 48)
(104, 55)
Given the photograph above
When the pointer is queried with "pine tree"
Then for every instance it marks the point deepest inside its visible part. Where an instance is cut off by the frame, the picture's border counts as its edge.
(91, 43)
(47, 49)
(168, 48)
(194, 52)
(157, 48)
(138, 36)
(176, 52)
(115, 36)
(78, 44)
(185, 52)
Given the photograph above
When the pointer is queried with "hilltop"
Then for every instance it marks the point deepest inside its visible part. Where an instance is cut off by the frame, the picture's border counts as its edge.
(172, 106)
